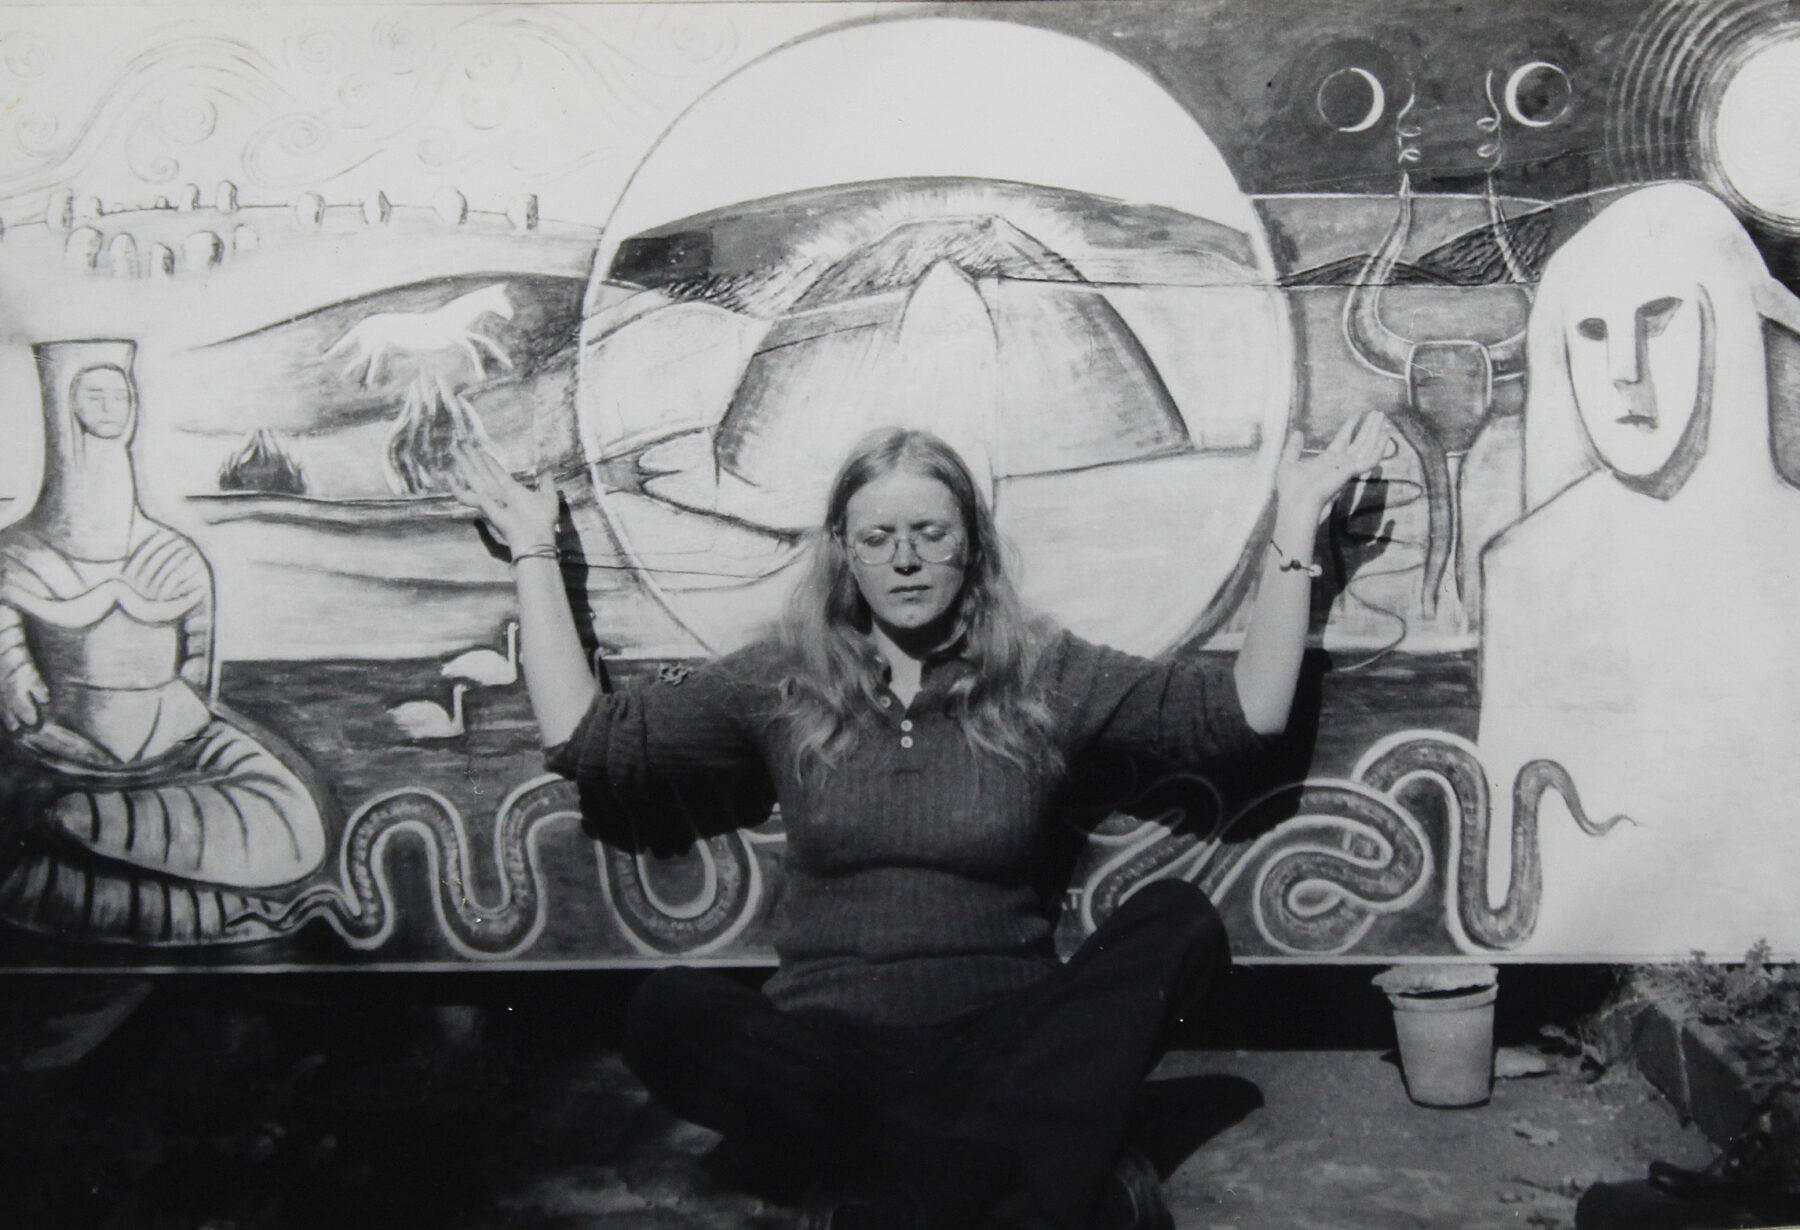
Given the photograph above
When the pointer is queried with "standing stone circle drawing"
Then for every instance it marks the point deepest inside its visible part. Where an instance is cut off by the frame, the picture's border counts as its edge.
(264, 270)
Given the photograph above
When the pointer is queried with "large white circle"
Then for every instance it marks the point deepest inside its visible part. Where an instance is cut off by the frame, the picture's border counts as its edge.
(940, 96)
(947, 120)
(1754, 133)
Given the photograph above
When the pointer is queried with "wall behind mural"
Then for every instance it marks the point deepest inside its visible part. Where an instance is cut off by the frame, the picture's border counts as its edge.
(262, 269)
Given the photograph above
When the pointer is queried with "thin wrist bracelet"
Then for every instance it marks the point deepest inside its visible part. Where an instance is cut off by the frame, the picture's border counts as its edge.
(538, 552)
(1290, 564)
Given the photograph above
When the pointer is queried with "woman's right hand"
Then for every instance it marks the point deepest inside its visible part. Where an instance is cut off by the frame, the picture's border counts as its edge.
(522, 517)
(551, 658)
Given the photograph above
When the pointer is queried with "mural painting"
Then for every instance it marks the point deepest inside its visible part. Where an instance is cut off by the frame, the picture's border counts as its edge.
(262, 271)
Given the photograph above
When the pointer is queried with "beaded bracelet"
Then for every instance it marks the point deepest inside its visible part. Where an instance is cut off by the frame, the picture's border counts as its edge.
(1289, 564)
(539, 552)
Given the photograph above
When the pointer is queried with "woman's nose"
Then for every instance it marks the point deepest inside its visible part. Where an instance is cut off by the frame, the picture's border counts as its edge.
(906, 556)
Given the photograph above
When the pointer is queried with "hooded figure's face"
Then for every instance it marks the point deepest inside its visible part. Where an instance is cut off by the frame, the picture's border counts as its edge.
(1636, 356)
(102, 402)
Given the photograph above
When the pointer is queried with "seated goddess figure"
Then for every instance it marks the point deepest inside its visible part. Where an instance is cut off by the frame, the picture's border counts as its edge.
(130, 811)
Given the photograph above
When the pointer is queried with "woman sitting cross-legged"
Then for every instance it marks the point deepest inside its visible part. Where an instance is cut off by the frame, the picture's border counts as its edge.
(920, 1056)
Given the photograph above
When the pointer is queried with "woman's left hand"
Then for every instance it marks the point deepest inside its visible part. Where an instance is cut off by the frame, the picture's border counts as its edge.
(1307, 485)
(524, 517)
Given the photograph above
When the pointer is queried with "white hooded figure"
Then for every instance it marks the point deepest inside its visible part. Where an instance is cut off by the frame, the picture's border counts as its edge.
(1637, 623)
(130, 809)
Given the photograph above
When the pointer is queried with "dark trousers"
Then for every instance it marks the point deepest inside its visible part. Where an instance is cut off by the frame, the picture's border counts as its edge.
(1029, 1096)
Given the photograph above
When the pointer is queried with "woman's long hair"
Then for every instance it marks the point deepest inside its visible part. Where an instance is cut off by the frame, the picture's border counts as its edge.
(837, 672)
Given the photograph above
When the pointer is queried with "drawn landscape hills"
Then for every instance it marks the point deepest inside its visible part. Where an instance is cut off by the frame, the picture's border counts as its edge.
(318, 267)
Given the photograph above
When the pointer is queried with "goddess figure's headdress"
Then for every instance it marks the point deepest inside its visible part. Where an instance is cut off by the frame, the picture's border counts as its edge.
(86, 503)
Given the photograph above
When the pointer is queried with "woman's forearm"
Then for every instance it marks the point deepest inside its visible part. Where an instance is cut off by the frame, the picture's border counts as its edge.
(1268, 664)
(557, 678)
(556, 668)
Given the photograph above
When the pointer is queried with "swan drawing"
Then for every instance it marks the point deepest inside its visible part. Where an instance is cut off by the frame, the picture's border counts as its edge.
(486, 668)
(424, 719)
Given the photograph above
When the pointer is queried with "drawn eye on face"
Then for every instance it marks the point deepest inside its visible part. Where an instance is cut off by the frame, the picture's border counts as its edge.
(1537, 94)
(1593, 329)
(1352, 99)
(1654, 317)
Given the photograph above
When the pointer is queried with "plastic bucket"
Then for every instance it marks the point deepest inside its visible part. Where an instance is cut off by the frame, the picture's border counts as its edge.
(1446, 1044)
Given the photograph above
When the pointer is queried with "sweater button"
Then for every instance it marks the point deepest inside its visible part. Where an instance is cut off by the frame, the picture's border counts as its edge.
(906, 724)
(883, 701)
(905, 740)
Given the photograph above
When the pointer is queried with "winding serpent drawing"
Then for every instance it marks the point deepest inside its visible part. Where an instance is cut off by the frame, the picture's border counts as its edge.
(1332, 856)
(656, 920)
(1341, 853)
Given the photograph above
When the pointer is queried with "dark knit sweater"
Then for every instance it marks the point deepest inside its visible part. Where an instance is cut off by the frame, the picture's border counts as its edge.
(913, 885)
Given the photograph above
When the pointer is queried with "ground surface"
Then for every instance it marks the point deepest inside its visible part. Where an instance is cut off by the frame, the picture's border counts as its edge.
(264, 1105)
(1337, 1145)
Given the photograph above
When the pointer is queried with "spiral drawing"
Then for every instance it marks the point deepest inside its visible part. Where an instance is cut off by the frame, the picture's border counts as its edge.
(1346, 857)
(688, 904)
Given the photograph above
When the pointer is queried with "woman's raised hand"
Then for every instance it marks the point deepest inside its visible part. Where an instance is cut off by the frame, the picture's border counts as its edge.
(1309, 484)
(523, 517)
(551, 658)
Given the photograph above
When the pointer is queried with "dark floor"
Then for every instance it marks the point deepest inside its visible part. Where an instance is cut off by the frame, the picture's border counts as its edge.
(478, 1100)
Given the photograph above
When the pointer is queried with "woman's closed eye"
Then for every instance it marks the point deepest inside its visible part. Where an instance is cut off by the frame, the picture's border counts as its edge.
(934, 542)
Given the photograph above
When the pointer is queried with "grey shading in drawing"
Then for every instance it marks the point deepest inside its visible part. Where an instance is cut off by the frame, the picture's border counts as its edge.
(1447, 384)
(135, 810)
(262, 465)
(1112, 370)
(1663, 675)
(434, 418)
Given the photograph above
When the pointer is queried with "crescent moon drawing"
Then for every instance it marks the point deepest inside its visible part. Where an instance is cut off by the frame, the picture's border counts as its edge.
(1511, 94)
(1377, 99)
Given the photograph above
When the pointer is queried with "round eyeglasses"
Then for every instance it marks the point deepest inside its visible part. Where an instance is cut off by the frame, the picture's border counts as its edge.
(933, 544)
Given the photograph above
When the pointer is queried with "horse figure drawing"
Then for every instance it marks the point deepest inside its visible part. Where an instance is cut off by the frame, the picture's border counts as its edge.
(372, 342)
